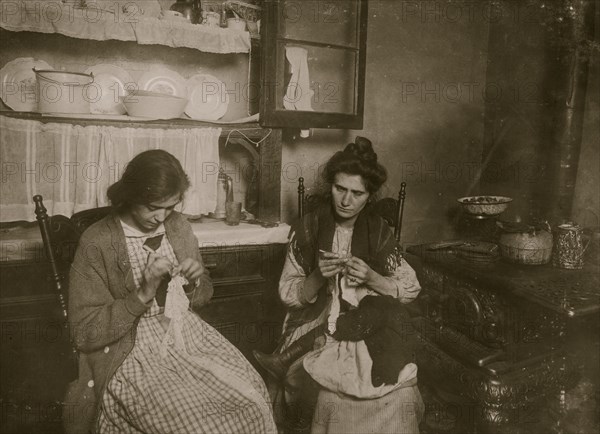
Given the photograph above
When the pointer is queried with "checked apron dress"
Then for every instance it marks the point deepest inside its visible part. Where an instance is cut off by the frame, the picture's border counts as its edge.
(193, 381)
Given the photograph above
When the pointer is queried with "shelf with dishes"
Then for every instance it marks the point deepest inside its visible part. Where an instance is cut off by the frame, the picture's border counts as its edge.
(107, 92)
(125, 66)
(126, 23)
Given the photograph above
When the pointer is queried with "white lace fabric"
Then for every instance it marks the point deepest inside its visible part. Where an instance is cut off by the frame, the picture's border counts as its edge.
(176, 306)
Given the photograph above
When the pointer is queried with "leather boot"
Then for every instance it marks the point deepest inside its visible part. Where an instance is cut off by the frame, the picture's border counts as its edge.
(277, 364)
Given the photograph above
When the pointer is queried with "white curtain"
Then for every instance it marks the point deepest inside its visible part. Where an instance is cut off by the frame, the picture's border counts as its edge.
(71, 166)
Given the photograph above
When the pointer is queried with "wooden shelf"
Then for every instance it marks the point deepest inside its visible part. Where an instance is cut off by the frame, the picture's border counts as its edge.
(263, 144)
(251, 129)
(111, 24)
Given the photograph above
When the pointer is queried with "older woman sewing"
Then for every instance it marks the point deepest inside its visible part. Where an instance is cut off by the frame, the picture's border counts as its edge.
(344, 282)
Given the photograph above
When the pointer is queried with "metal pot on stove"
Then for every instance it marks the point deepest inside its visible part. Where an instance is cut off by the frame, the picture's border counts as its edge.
(525, 244)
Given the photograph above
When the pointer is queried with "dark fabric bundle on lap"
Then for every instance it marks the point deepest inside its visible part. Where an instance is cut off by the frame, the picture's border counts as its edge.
(384, 324)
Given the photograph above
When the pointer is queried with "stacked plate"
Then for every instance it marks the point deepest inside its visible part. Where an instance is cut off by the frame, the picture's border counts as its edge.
(208, 98)
(110, 84)
(18, 83)
(163, 80)
(207, 95)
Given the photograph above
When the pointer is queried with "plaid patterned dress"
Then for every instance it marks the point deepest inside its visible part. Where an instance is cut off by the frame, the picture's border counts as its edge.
(207, 388)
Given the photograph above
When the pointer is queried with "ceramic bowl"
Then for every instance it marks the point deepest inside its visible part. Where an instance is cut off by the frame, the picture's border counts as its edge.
(153, 105)
(486, 206)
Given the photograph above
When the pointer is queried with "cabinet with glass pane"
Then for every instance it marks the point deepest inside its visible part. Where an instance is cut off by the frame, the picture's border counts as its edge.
(313, 66)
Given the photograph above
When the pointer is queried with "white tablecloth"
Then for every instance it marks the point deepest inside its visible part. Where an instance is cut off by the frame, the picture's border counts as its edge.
(24, 243)
(218, 234)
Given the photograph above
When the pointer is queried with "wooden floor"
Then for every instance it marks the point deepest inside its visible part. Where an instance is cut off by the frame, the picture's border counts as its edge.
(33, 381)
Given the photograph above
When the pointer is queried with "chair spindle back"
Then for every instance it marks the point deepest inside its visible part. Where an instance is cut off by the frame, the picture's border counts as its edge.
(56, 277)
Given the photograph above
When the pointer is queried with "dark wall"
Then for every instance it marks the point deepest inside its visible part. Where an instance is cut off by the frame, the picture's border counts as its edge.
(530, 61)
(586, 206)
(426, 65)
(518, 117)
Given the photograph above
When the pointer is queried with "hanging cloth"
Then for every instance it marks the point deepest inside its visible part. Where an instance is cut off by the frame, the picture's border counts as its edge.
(298, 94)
(176, 306)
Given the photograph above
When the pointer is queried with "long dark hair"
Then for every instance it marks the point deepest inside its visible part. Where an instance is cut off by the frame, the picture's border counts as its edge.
(357, 158)
(151, 176)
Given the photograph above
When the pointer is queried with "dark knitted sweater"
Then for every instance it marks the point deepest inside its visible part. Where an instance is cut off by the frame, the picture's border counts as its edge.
(384, 324)
(104, 309)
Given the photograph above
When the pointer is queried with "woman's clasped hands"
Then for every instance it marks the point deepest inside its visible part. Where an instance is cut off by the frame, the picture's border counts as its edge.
(357, 270)
(158, 267)
(190, 269)
(331, 263)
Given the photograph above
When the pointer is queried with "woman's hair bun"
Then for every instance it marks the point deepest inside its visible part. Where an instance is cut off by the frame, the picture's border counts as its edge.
(362, 149)
(357, 158)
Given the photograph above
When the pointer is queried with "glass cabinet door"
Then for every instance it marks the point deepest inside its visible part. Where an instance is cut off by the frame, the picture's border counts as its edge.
(313, 63)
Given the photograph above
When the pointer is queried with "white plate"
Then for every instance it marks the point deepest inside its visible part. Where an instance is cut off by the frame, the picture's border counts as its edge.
(163, 80)
(208, 98)
(110, 83)
(18, 83)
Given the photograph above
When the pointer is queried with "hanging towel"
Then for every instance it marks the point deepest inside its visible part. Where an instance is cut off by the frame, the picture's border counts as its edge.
(298, 94)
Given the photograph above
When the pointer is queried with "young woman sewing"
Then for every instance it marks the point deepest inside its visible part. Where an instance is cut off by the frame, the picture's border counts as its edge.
(148, 362)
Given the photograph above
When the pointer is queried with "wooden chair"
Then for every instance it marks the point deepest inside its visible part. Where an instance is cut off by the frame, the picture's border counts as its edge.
(60, 236)
(391, 210)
